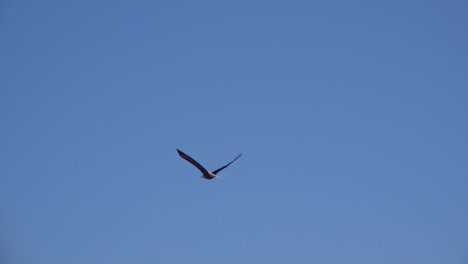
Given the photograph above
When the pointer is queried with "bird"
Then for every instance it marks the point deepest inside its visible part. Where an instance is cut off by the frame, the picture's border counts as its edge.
(205, 173)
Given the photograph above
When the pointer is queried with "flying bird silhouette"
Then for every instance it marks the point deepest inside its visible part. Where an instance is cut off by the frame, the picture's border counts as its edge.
(206, 174)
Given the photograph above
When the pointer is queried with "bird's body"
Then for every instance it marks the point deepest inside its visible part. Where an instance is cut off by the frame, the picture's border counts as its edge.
(205, 173)
(210, 176)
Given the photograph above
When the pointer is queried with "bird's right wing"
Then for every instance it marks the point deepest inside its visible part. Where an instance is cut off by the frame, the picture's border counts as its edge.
(225, 166)
(194, 162)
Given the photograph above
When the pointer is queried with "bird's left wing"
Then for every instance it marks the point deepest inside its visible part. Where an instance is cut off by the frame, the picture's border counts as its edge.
(194, 162)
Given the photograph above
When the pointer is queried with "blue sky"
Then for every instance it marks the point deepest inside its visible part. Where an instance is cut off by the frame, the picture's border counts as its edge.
(352, 118)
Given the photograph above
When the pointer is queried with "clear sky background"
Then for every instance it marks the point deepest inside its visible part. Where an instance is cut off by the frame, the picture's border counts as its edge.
(352, 117)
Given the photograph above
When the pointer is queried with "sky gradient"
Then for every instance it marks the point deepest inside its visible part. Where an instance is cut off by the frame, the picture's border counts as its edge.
(352, 118)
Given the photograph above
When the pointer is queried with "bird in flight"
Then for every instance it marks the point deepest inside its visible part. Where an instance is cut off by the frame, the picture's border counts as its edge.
(206, 174)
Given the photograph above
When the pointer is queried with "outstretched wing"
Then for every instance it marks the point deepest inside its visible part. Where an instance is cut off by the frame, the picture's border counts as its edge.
(194, 162)
(225, 166)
